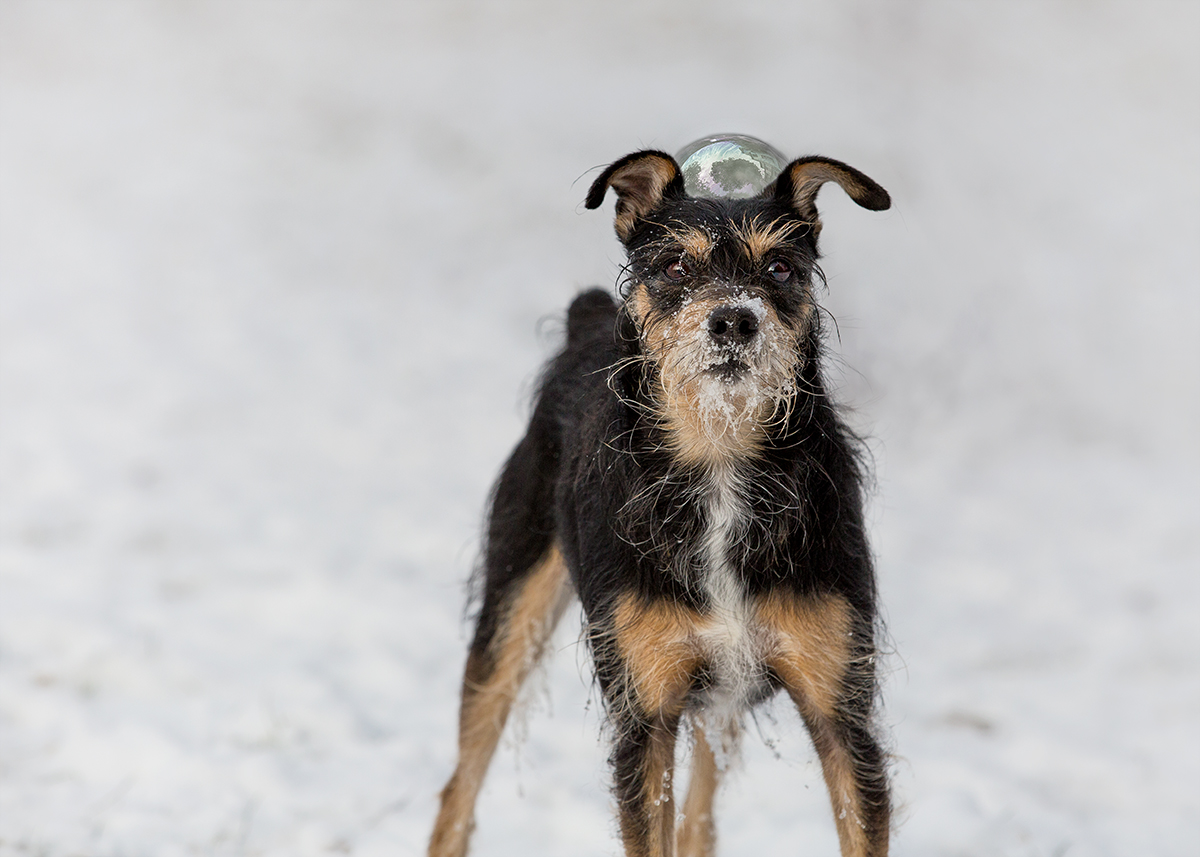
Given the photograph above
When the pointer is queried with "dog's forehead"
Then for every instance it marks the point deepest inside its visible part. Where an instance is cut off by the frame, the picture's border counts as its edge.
(700, 226)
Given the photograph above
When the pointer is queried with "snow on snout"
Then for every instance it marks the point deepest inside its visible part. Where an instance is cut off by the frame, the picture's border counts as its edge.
(716, 354)
(753, 303)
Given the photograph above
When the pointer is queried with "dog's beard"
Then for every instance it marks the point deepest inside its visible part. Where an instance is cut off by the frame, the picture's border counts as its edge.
(739, 387)
(725, 395)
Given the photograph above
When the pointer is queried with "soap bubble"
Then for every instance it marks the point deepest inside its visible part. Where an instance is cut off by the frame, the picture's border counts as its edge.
(729, 166)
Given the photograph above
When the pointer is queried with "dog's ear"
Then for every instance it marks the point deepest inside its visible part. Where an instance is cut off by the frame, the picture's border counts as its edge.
(800, 180)
(642, 180)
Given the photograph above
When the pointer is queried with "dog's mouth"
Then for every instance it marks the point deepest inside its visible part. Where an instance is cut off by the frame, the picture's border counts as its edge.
(730, 371)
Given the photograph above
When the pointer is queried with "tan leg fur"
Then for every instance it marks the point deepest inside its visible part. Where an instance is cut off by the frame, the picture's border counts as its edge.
(488, 696)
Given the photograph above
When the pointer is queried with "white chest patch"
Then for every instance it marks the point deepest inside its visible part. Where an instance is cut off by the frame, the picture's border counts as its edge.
(730, 639)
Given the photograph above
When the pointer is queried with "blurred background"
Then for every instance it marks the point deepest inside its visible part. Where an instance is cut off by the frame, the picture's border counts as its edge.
(277, 276)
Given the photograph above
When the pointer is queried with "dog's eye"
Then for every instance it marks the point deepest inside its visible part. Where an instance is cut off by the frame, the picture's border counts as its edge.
(677, 270)
(779, 271)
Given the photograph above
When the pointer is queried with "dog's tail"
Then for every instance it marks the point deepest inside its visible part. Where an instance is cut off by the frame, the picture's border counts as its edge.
(593, 313)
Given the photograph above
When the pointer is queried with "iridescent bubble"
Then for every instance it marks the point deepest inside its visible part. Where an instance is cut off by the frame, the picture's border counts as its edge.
(729, 166)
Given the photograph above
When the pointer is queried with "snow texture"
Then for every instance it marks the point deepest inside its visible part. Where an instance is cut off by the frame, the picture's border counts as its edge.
(277, 278)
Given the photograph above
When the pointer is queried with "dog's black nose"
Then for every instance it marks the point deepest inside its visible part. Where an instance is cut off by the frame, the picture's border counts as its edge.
(732, 325)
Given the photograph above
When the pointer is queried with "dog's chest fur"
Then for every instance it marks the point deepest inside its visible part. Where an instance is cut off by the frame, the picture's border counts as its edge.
(731, 641)
(717, 537)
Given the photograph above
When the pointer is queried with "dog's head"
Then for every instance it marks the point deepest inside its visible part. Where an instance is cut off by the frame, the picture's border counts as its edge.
(719, 292)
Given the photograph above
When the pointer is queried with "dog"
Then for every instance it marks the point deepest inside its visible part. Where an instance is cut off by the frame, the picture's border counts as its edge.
(686, 476)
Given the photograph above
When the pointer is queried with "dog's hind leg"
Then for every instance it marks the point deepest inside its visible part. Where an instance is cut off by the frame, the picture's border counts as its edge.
(525, 590)
(496, 668)
(697, 831)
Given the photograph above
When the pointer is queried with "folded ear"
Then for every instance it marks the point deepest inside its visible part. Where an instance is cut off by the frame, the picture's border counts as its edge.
(642, 180)
(800, 180)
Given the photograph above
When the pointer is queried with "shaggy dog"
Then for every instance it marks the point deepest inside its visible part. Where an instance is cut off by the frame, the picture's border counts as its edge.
(686, 476)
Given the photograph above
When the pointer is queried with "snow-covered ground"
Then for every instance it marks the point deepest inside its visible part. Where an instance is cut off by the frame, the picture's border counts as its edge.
(276, 279)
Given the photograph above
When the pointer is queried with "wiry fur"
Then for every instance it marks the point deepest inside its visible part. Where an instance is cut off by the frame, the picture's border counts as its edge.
(686, 467)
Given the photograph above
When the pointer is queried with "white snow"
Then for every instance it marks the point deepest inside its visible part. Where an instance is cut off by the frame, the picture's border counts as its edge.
(276, 279)
(753, 303)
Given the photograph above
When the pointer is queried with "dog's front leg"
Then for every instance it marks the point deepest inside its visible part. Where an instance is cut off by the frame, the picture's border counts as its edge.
(824, 655)
(643, 767)
(855, 774)
(647, 661)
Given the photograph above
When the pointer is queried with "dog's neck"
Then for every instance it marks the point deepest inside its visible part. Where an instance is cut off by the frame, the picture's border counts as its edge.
(713, 423)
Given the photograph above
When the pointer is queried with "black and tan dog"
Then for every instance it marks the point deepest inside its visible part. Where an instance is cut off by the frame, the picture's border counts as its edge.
(686, 475)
